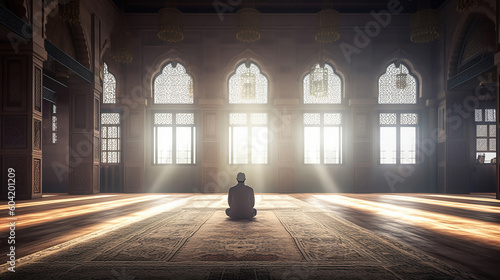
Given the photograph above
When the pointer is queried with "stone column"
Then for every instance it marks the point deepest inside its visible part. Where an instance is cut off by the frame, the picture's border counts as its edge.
(285, 114)
(212, 179)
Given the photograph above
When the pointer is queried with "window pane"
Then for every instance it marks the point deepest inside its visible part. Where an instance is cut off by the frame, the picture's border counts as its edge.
(493, 145)
(409, 119)
(110, 118)
(493, 130)
(54, 123)
(257, 119)
(109, 86)
(312, 145)
(164, 145)
(481, 130)
(387, 118)
(482, 144)
(184, 118)
(332, 145)
(310, 118)
(163, 118)
(489, 115)
(237, 118)
(478, 115)
(388, 145)
(487, 157)
(239, 145)
(183, 145)
(332, 119)
(408, 145)
(259, 145)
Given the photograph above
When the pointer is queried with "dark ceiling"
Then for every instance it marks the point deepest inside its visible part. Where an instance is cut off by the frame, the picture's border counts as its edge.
(268, 6)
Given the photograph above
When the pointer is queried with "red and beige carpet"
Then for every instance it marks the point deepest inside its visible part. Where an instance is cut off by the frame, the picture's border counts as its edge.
(288, 239)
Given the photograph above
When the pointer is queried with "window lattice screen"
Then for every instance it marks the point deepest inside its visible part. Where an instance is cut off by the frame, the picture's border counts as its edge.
(334, 89)
(173, 86)
(237, 84)
(109, 87)
(390, 94)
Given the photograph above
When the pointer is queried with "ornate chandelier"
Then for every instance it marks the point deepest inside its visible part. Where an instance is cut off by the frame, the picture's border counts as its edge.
(424, 24)
(318, 83)
(121, 43)
(170, 24)
(70, 12)
(466, 5)
(401, 78)
(328, 26)
(248, 25)
(247, 81)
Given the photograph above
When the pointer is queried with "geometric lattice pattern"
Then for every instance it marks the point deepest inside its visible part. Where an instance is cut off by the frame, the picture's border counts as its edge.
(162, 118)
(184, 118)
(486, 132)
(334, 94)
(110, 138)
(37, 136)
(37, 175)
(312, 118)
(54, 124)
(173, 86)
(248, 91)
(409, 118)
(38, 89)
(238, 118)
(387, 118)
(389, 93)
(109, 87)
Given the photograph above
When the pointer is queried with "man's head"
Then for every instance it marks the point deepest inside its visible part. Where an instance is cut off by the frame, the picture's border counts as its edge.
(241, 177)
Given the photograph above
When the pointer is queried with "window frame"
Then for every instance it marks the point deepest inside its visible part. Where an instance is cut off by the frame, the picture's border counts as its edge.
(398, 126)
(249, 127)
(120, 138)
(488, 137)
(321, 137)
(194, 137)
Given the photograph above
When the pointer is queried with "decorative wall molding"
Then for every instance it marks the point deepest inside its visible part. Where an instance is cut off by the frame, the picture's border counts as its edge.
(475, 70)
(66, 60)
(15, 24)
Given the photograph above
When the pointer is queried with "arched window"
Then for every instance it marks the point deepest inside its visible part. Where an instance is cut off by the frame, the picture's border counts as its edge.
(398, 130)
(326, 81)
(109, 87)
(173, 85)
(397, 86)
(248, 86)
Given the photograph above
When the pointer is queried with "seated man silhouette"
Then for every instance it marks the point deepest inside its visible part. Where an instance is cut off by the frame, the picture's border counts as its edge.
(241, 200)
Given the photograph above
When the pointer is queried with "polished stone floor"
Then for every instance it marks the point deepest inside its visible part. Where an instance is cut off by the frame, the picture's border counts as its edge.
(461, 230)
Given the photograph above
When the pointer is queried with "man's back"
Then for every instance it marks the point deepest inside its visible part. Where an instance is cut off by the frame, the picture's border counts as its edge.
(241, 201)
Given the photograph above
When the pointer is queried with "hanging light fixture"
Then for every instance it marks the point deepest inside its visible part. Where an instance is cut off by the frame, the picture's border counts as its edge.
(466, 5)
(327, 26)
(248, 80)
(170, 24)
(121, 41)
(401, 78)
(318, 82)
(70, 12)
(248, 25)
(424, 24)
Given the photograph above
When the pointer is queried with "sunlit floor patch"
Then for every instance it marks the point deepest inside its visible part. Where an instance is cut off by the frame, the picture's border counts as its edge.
(464, 228)
(459, 205)
(51, 215)
(54, 201)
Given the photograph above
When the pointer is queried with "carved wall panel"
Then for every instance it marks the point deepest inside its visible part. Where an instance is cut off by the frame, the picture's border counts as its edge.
(80, 178)
(14, 87)
(37, 134)
(37, 175)
(14, 132)
(37, 94)
(133, 179)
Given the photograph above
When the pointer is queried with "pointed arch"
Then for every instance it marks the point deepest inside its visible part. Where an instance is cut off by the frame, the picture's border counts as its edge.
(334, 88)
(389, 93)
(248, 85)
(173, 85)
(109, 87)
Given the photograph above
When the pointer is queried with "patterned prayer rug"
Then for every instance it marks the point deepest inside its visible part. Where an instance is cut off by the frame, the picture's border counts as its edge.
(288, 239)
